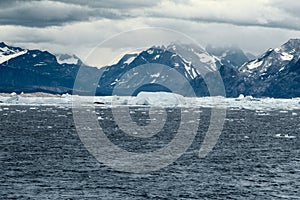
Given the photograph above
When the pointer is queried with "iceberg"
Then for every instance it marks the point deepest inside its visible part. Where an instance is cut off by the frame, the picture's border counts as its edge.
(241, 97)
(285, 136)
(14, 99)
(159, 99)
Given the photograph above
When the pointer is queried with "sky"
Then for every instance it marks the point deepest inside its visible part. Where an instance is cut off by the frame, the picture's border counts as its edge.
(78, 26)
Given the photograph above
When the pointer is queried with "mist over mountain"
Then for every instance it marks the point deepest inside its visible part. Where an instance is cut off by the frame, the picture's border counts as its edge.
(276, 73)
(230, 56)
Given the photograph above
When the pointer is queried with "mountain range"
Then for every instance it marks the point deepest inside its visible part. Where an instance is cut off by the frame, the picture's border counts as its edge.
(275, 73)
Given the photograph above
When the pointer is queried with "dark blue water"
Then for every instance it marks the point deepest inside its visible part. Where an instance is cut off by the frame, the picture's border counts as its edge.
(42, 157)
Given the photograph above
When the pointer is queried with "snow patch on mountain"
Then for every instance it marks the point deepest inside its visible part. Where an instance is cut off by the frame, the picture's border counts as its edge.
(129, 60)
(176, 64)
(189, 70)
(194, 56)
(205, 58)
(6, 54)
(254, 64)
(282, 68)
(155, 75)
(286, 56)
(194, 73)
(150, 51)
(156, 57)
(40, 64)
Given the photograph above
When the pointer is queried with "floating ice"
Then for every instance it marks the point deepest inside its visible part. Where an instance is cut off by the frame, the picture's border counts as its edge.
(285, 136)
(100, 118)
(159, 99)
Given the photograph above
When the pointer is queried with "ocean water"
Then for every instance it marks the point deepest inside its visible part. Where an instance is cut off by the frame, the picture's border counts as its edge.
(257, 156)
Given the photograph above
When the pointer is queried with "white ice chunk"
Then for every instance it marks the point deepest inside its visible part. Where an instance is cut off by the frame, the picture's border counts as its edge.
(285, 136)
(159, 99)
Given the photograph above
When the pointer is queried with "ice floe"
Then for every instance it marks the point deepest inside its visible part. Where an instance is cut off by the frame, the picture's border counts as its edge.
(159, 99)
(285, 136)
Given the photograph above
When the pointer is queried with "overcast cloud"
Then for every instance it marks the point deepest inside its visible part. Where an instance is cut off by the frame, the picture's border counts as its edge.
(75, 26)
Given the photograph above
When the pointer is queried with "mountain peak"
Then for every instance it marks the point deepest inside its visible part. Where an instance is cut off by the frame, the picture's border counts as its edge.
(186, 46)
(2, 44)
(229, 55)
(293, 41)
(7, 52)
(292, 44)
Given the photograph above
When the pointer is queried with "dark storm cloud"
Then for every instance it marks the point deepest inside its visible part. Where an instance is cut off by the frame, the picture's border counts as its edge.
(272, 14)
(115, 4)
(77, 26)
(291, 7)
(39, 13)
(284, 24)
(52, 13)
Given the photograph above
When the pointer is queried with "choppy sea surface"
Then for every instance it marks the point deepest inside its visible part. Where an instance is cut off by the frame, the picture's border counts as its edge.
(257, 156)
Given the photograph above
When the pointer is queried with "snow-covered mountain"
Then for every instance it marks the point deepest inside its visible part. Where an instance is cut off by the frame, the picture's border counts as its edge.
(7, 53)
(23, 70)
(273, 74)
(190, 61)
(274, 60)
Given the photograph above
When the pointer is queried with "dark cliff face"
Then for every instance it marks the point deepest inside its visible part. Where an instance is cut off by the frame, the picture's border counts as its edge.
(273, 74)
